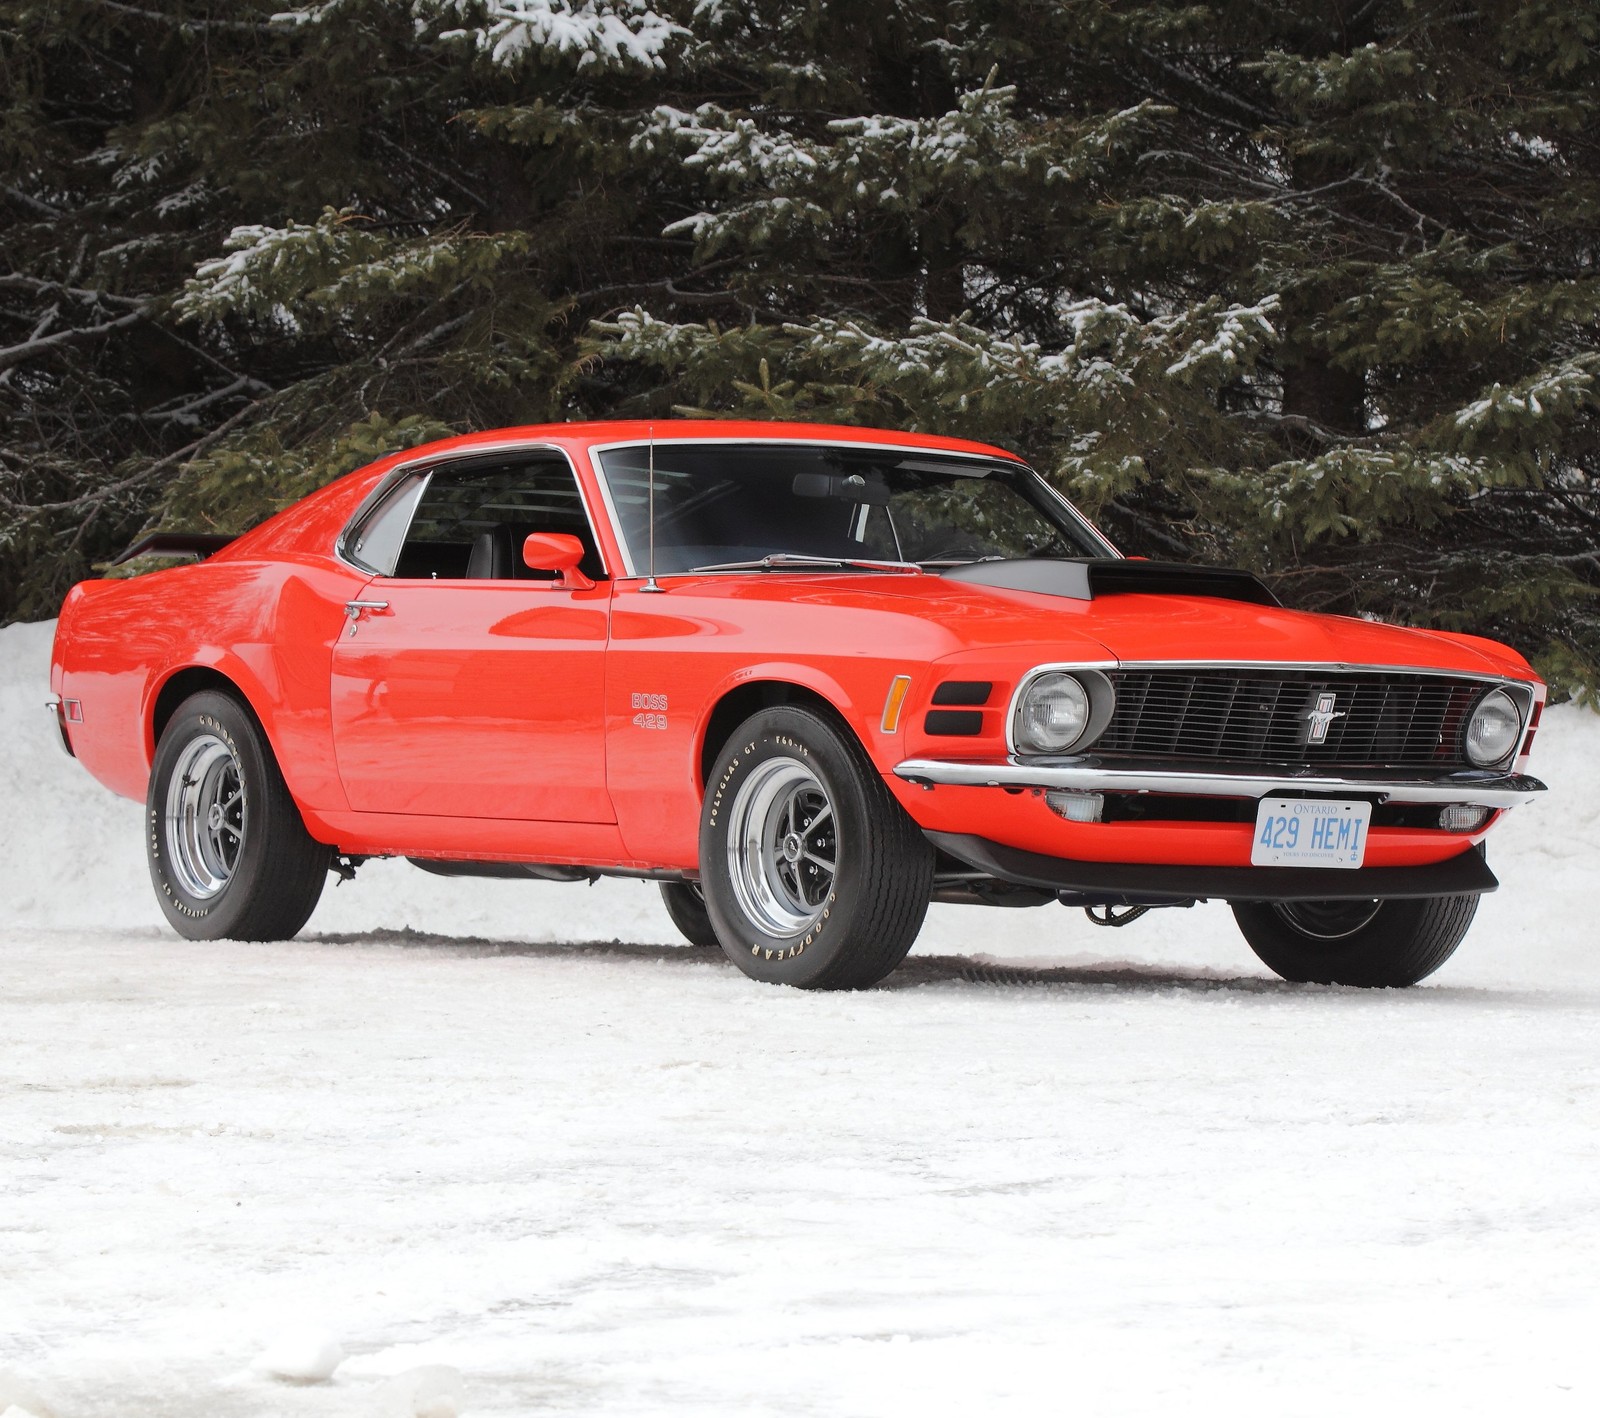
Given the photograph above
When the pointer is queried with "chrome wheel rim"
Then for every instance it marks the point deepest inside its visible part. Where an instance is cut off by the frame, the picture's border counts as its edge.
(206, 817)
(783, 847)
(1328, 920)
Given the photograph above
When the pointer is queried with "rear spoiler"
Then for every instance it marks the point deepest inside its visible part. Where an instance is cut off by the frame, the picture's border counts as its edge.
(1112, 576)
(199, 545)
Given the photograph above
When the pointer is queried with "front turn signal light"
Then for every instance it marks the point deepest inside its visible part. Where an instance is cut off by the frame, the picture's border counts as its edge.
(892, 705)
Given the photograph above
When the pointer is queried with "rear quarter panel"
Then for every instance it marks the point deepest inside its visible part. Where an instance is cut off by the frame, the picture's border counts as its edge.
(266, 626)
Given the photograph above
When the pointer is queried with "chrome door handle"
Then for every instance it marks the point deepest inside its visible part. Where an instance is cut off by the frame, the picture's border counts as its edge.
(355, 609)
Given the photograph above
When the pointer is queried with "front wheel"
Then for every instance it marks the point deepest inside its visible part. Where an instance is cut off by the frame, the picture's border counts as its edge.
(813, 874)
(1369, 943)
(229, 853)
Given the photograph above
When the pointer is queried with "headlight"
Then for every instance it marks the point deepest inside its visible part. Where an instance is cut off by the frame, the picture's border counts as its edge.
(1052, 714)
(1493, 729)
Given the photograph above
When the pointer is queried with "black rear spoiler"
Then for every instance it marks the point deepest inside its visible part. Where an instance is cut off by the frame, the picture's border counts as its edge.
(1114, 576)
(199, 545)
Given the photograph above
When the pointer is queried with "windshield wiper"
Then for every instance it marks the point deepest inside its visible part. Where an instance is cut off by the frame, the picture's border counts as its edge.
(794, 561)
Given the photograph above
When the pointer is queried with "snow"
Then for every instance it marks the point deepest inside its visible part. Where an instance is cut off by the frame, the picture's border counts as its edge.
(625, 33)
(430, 1391)
(520, 1152)
(305, 1356)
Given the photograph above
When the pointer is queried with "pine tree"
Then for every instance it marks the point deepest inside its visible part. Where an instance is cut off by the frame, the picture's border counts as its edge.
(1309, 288)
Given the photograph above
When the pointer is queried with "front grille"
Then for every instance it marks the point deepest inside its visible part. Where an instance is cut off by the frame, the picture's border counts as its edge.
(1272, 716)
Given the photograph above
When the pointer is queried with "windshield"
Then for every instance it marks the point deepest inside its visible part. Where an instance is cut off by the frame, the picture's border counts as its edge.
(717, 504)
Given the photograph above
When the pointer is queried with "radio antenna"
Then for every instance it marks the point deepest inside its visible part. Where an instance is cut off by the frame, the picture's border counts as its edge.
(650, 581)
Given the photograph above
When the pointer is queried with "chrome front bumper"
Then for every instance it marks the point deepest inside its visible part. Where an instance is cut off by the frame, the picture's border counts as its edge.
(1477, 788)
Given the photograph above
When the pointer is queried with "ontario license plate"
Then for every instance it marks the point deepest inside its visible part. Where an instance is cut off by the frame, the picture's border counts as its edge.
(1310, 832)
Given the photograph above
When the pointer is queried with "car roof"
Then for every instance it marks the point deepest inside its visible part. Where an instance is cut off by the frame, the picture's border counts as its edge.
(599, 433)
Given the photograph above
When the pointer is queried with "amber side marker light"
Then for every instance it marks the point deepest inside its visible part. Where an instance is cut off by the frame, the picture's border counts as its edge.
(898, 687)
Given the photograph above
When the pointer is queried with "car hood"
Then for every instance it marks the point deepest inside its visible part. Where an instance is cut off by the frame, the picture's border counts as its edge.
(1131, 628)
(939, 616)
(1136, 628)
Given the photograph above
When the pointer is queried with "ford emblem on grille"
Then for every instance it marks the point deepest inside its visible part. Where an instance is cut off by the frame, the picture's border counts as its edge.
(1319, 718)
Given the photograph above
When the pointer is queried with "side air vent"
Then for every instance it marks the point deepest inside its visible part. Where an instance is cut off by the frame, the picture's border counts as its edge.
(953, 723)
(963, 691)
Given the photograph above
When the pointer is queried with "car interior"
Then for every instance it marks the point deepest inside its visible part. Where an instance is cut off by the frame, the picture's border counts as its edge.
(471, 520)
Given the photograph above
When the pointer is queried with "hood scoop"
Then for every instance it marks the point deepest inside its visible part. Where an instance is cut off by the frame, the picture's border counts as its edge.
(1113, 576)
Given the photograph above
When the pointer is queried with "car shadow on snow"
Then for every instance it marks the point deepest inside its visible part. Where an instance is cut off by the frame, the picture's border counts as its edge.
(918, 971)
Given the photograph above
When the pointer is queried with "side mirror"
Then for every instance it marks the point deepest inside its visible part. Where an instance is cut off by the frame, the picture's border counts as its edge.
(556, 551)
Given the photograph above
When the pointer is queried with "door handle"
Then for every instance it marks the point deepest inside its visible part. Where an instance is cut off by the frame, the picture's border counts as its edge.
(356, 609)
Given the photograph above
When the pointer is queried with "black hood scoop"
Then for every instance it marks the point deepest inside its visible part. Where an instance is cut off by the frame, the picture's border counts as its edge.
(1113, 576)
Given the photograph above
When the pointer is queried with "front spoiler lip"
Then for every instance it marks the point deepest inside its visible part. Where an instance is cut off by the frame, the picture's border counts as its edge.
(1482, 788)
(1466, 874)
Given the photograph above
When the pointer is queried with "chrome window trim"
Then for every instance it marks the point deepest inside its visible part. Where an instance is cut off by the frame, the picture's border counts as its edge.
(996, 459)
(1062, 501)
(441, 462)
(392, 488)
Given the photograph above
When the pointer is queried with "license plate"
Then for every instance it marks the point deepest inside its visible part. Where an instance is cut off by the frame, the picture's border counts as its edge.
(1310, 832)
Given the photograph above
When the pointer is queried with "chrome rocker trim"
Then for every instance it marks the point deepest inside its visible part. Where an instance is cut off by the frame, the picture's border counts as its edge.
(1477, 788)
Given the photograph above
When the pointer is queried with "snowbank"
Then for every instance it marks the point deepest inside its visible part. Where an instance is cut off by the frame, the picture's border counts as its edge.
(509, 1177)
(71, 855)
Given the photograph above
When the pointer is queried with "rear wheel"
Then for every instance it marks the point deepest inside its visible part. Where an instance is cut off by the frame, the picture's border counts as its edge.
(229, 853)
(813, 874)
(1369, 943)
(686, 904)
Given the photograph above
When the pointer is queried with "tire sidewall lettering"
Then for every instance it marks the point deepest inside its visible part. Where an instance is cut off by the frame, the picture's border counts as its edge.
(775, 958)
(179, 732)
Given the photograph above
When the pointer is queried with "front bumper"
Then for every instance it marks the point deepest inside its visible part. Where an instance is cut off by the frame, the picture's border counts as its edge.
(1476, 788)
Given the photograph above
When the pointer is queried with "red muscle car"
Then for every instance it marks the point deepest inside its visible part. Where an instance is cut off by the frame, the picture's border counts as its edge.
(809, 679)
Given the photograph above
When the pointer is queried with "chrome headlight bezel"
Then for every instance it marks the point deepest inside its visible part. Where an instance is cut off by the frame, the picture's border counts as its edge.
(1090, 687)
(1497, 701)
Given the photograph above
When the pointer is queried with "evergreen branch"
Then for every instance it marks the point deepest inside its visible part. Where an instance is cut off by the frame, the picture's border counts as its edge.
(32, 349)
(254, 385)
(44, 209)
(17, 281)
(197, 26)
(438, 332)
(1223, 96)
(454, 183)
(98, 497)
(192, 406)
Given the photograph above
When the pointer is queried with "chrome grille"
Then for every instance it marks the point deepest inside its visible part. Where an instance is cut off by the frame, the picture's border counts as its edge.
(1271, 716)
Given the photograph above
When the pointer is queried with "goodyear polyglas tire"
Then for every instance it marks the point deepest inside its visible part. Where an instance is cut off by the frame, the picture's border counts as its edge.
(813, 874)
(1375, 944)
(229, 853)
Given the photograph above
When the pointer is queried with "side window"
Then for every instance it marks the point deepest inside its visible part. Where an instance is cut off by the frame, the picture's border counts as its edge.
(471, 521)
(375, 543)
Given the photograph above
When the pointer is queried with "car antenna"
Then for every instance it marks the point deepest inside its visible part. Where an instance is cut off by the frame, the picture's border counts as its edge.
(651, 584)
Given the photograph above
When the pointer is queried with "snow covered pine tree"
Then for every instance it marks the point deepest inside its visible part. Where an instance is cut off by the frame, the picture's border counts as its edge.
(1307, 288)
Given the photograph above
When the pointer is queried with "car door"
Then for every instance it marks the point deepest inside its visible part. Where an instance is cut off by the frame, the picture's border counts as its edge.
(464, 684)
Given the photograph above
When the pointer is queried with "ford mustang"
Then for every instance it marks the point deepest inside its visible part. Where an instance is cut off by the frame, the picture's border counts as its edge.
(809, 679)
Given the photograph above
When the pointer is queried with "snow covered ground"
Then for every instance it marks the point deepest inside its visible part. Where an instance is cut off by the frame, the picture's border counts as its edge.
(518, 1131)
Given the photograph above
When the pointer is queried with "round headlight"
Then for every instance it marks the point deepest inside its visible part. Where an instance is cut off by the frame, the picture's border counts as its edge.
(1052, 714)
(1493, 728)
